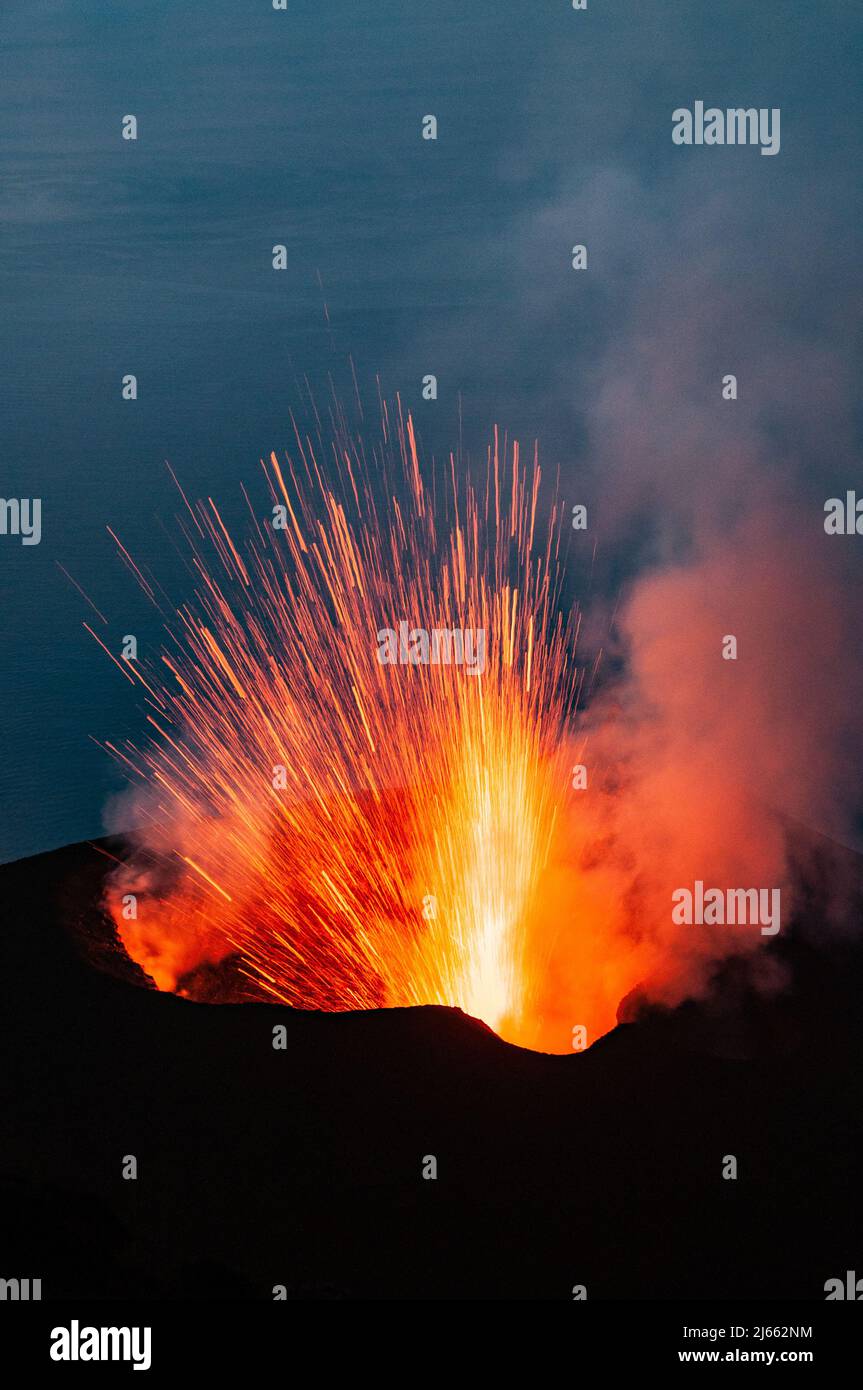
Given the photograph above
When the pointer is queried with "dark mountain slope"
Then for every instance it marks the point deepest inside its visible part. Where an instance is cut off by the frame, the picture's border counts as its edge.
(303, 1167)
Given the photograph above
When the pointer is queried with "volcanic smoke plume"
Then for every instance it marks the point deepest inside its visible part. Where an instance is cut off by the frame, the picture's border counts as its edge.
(360, 834)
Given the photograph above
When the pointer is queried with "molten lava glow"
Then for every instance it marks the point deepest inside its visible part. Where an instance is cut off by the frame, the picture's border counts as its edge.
(363, 834)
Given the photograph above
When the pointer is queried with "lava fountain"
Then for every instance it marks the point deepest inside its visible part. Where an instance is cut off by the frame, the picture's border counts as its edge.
(356, 832)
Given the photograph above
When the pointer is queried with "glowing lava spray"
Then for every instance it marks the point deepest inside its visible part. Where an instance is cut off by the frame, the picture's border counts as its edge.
(359, 832)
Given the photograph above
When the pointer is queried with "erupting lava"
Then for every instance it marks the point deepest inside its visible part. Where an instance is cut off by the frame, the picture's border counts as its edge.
(360, 834)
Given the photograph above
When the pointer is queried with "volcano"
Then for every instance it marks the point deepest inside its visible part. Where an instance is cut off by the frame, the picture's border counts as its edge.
(303, 1171)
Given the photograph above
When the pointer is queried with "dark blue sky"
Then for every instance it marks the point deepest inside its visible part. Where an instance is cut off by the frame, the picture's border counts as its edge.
(256, 127)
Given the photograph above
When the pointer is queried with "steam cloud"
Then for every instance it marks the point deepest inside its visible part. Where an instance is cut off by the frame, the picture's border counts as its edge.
(712, 511)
